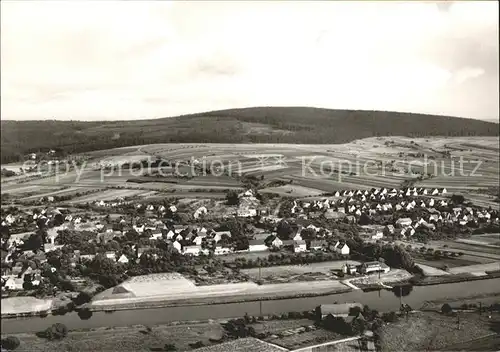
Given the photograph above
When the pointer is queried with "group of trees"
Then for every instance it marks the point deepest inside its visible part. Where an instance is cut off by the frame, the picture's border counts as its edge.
(285, 258)
(10, 343)
(393, 255)
(56, 331)
(322, 126)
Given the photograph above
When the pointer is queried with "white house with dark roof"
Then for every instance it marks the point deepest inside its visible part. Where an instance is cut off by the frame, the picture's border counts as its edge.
(123, 259)
(341, 248)
(177, 246)
(404, 222)
(257, 246)
(299, 246)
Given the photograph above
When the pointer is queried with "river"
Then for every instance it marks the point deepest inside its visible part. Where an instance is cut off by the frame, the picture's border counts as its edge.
(381, 300)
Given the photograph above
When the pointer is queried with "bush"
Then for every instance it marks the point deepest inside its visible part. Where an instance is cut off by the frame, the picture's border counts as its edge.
(390, 317)
(446, 309)
(56, 332)
(169, 347)
(82, 298)
(197, 344)
(10, 343)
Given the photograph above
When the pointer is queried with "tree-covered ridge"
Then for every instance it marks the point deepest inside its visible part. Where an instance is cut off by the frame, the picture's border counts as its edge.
(275, 125)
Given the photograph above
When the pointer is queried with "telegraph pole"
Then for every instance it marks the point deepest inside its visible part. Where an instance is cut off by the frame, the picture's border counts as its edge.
(400, 295)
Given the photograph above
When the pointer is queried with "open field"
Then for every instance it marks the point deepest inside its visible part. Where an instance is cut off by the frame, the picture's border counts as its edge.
(478, 269)
(292, 191)
(468, 248)
(441, 262)
(290, 272)
(433, 331)
(313, 168)
(489, 240)
(176, 288)
(134, 338)
(303, 163)
(21, 305)
(304, 339)
(107, 195)
(432, 271)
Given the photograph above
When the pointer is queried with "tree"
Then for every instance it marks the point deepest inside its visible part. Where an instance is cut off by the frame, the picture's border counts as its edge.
(232, 198)
(169, 347)
(397, 257)
(10, 343)
(197, 344)
(390, 317)
(364, 219)
(56, 332)
(446, 309)
(82, 298)
(284, 230)
(308, 234)
(457, 199)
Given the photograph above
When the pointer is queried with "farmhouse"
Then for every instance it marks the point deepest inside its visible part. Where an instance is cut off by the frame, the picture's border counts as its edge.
(299, 246)
(256, 246)
(123, 259)
(110, 255)
(277, 242)
(246, 212)
(404, 222)
(317, 245)
(389, 229)
(337, 310)
(192, 250)
(14, 283)
(177, 246)
(350, 269)
(342, 248)
(199, 212)
(219, 250)
(374, 267)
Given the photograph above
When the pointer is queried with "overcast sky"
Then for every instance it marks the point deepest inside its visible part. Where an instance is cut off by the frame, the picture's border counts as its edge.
(127, 60)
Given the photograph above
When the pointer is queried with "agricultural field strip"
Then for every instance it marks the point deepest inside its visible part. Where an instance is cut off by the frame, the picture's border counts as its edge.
(64, 191)
(325, 267)
(108, 195)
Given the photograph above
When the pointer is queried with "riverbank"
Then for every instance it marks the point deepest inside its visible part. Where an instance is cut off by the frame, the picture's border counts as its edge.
(25, 306)
(381, 300)
(271, 292)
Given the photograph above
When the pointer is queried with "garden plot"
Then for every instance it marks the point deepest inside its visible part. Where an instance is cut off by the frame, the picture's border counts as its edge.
(124, 159)
(292, 191)
(290, 271)
(27, 188)
(173, 287)
(482, 240)
(477, 270)
(131, 338)
(111, 194)
(318, 336)
(432, 332)
(431, 271)
(61, 192)
(393, 276)
(22, 305)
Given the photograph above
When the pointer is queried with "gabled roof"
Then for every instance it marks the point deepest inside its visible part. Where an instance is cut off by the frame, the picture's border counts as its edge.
(337, 309)
(256, 242)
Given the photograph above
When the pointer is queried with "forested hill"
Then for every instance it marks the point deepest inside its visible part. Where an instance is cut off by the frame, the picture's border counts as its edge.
(258, 125)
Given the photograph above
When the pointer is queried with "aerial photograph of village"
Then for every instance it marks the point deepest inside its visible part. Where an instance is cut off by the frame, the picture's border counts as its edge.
(250, 176)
